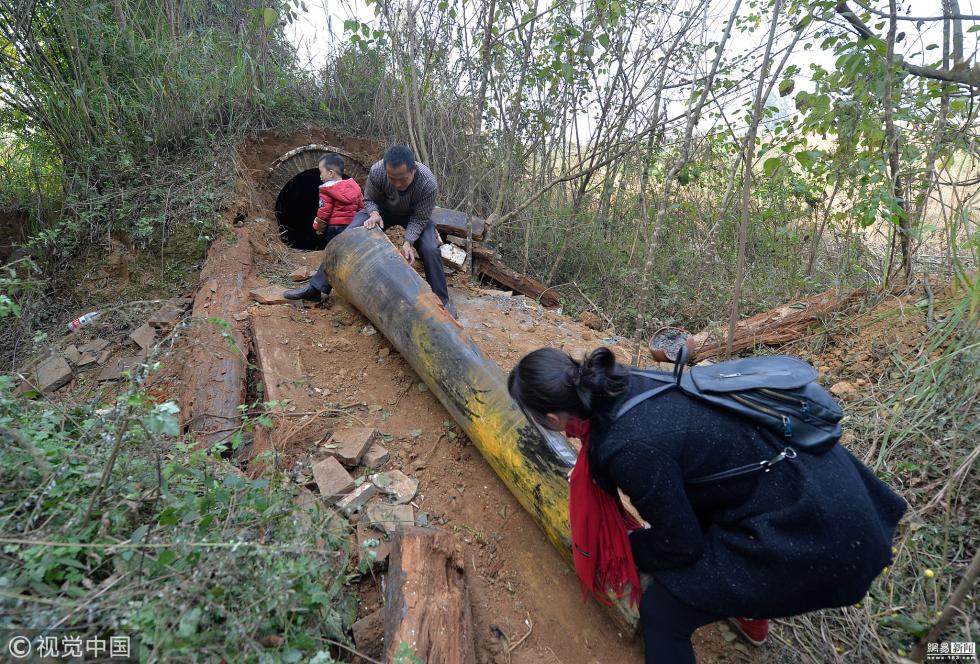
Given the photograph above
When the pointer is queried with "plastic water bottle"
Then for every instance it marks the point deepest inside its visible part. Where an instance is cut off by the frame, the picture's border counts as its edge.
(82, 320)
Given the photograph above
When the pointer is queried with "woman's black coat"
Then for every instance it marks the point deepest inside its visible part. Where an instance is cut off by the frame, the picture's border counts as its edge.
(811, 533)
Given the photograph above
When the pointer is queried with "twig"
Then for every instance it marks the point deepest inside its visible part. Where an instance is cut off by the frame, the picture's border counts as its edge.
(513, 646)
(952, 606)
(548, 648)
(554, 288)
(37, 600)
(597, 309)
(930, 323)
(38, 456)
(294, 431)
(116, 445)
(352, 651)
(112, 547)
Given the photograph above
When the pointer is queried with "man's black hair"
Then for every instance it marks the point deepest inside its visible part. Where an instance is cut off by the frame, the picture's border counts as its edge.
(400, 154)
(334, 162)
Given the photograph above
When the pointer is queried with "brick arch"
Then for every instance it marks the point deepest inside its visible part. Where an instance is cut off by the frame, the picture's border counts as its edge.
(305, 158)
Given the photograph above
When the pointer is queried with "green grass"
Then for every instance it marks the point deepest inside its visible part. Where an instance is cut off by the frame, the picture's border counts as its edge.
(111, 525)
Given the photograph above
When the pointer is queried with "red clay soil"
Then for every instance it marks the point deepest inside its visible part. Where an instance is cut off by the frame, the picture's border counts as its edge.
(514, 572)
(353, 377)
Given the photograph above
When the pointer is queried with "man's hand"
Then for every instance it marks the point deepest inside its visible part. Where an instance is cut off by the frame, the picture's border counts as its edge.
(316, 227)
(409, 253)
(374, 219)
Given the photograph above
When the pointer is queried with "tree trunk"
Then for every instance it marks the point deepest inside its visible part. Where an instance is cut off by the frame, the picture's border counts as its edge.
(693, 115)
(749, 157)
(894, 160)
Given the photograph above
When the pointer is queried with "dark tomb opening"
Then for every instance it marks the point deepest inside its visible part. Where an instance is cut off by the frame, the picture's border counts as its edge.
(296, 208)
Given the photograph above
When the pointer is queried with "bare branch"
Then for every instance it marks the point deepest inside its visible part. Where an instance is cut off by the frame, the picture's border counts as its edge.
(959, 74)
(916, 19)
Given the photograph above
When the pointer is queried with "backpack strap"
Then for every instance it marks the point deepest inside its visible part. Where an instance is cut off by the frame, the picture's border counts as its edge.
(680, 363)
(765, 466)
(641, 397)
(678, 372)
(648, 394)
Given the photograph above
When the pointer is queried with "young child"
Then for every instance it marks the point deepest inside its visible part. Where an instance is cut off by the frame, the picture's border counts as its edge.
(340, 199)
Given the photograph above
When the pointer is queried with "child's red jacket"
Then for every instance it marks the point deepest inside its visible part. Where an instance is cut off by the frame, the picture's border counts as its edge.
(339, 202)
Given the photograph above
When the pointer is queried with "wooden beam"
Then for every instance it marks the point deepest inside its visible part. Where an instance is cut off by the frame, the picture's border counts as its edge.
(776, 326)
(518, 282)
(282, 378)
(427, 609)
(214, 375)
(454, 223)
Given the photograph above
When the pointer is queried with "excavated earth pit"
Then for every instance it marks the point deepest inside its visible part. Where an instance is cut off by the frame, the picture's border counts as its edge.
(330, 362)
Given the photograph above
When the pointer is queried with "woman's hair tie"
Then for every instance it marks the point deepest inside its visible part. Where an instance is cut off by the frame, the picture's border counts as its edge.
(573, 375)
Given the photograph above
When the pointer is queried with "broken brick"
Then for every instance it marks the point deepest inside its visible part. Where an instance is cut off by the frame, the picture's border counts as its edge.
(93, 347)
(351, 444)
(72, 355)
(375, 457)
(334, 482)
(47, 376)
(389, 518)
(269, 295)
(357, 498)
(144, 336)
(372, 548)
(166, 316)
(301, 274)
(369, 634)
(87, 359)
(115, 370)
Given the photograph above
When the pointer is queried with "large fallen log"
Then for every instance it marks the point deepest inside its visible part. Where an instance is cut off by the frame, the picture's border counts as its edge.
(454, 223)
(518, 282)
(771, 328)
(427, 608)
(214, 376)
(369, 273)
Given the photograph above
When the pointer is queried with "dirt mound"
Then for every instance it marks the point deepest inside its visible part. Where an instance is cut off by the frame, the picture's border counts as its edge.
(258, 153)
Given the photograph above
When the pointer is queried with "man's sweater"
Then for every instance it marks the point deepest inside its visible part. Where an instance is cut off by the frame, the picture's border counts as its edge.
(416, 202)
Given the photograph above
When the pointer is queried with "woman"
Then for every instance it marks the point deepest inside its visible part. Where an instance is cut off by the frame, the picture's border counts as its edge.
(810, 533)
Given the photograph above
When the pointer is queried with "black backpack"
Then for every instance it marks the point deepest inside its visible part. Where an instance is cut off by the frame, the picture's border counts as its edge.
(778, 392)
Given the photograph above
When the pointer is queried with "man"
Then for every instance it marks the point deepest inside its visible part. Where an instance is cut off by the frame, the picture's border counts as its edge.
(401, 192)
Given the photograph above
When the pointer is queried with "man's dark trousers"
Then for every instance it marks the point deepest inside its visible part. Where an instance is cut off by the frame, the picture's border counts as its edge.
(427, 247)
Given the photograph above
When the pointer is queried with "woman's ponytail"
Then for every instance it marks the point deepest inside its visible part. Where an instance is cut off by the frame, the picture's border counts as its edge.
(550, 381)
(601, 379)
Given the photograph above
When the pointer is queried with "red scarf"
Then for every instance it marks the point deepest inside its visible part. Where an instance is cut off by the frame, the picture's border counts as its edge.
(600, 530)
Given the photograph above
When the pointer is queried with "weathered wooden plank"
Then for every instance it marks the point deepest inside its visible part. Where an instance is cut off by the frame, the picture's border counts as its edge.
(428, 607)
(282, 378)
(776, 326)
(519, 282)
(454, 223)
(214, 375)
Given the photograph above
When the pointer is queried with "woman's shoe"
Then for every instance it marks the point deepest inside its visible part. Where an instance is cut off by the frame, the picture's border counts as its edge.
(755, 631)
